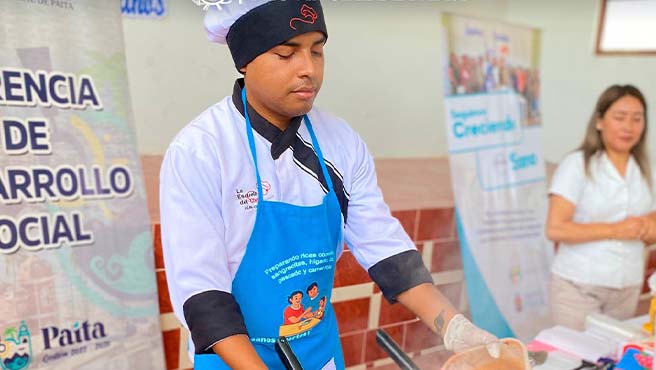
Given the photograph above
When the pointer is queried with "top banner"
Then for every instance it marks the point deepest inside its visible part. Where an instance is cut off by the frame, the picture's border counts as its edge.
(76, 257)
(493, 126)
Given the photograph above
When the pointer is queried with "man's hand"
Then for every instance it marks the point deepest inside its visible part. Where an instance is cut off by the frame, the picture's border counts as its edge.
(461, 335)
(437, 312)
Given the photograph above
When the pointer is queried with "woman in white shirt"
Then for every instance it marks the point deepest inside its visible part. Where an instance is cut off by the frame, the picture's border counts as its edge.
(601, 215)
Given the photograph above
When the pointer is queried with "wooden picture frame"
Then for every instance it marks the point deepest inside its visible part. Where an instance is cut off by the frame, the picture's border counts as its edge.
(605, 14)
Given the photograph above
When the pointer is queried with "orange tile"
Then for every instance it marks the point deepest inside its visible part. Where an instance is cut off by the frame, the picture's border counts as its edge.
(375, 352)
(349, 272)
(353, 348)
(418, 337)
(651, 260)
(415, 183)
(446, 256)
(393, 313)
(172, 348)
(352, 315)
(157, 246)
(165, 305)
(408, 220)
(150, 165)
(436, 223)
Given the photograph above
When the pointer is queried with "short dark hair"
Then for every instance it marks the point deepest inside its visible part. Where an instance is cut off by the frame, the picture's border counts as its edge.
(289, 299)
(314, 284)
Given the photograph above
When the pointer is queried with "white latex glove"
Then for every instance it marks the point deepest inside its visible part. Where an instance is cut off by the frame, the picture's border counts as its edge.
(461, 335)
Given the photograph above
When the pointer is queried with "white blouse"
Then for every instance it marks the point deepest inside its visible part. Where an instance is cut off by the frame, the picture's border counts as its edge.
(603, 196)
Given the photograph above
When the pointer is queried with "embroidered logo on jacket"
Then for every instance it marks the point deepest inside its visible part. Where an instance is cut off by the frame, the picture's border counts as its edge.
(248, 198)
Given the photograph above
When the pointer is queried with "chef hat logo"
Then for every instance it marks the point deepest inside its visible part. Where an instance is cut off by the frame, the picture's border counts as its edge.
(309, 16)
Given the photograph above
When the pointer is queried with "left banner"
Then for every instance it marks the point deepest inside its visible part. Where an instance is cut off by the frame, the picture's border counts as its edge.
(77, 281)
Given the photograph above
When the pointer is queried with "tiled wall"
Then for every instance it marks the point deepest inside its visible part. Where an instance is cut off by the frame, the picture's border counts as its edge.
(361, 308)
(418, 191)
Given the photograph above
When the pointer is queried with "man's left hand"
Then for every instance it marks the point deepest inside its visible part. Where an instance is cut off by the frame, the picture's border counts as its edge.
(461, 335)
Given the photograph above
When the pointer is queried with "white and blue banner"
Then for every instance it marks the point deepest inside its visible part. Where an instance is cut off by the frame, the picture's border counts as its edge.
(77, 276)
(494, 132)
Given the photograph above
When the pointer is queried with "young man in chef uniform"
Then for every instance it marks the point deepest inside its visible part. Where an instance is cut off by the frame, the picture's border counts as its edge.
(259, 193)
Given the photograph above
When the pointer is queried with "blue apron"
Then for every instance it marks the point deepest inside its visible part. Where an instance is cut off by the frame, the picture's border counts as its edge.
(285, 279)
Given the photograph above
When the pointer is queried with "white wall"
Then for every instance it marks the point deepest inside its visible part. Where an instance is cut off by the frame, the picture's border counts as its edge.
(383, 70)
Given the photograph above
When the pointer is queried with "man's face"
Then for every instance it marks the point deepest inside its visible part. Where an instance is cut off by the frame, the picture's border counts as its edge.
(314, 292)
(284, 81)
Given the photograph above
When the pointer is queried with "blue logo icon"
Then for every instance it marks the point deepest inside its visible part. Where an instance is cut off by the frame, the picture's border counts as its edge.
(16, 348)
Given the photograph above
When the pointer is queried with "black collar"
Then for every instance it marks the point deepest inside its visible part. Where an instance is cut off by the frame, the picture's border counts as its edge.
(280, 140)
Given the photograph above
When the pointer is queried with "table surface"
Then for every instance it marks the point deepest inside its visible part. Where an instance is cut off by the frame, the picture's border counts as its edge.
(559, 360)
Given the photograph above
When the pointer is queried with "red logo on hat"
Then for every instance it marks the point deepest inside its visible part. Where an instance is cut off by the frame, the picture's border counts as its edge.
(309, 16)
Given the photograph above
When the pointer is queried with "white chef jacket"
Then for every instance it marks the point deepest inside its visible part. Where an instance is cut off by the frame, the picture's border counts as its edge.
(208, 196)
(604, 196)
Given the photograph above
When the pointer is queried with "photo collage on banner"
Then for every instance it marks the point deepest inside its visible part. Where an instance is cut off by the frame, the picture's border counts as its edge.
(494, 132)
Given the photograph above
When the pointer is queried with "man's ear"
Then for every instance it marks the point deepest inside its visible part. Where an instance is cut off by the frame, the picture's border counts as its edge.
(242, 70)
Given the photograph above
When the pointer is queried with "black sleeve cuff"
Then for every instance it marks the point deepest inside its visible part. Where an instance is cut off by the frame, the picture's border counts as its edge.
(400, 272)
(211, 316)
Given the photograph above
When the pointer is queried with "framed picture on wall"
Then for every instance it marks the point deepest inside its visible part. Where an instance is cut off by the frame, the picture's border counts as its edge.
(627, 27)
